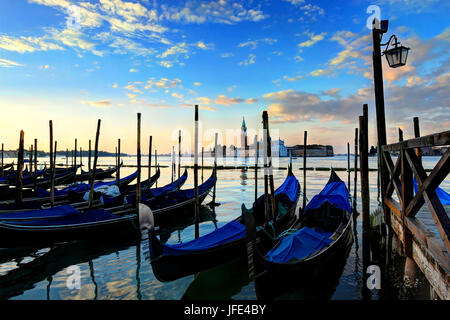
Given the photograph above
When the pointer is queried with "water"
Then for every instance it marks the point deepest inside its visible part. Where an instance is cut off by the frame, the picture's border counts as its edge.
(120, 269)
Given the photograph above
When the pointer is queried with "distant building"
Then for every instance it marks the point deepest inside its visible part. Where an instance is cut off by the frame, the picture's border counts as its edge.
(279, 149)
(313, 150)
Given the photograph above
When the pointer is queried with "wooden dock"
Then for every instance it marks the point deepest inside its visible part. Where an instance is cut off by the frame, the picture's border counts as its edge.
(423, 248)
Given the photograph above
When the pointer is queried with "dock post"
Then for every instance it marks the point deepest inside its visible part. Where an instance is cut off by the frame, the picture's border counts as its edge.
(305, 136)
(81, 158)
(172, 170)
(54, 165)
(380, 113)
(75, 159)
(31, 160)
(216, 137)
(348, 166)
(150, 159)
(197, 208)
(156, 165)
(202, 164)
(179, 157)
(417, 135)
(19, 181)
(365, 196)
(118, 161)
(138, 184)
(355, 166)
(94, 167)
(2, 172)
(52, 173)
(269, 164)
(89, 158)
(67, 158)
(35, 164)
(256, 167)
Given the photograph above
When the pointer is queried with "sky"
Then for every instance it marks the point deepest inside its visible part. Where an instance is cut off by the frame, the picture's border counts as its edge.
(308, 63)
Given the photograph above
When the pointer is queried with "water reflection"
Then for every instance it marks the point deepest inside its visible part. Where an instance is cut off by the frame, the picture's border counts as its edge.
(119, 270)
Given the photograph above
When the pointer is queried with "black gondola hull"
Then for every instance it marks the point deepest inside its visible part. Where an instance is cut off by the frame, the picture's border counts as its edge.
(273, 279)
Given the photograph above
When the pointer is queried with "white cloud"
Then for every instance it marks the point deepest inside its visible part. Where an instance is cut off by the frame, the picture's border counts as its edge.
(250, 60)
(4, 63)
(313, 40)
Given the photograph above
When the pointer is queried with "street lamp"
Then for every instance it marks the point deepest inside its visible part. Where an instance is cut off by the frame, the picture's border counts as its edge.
(396, 56)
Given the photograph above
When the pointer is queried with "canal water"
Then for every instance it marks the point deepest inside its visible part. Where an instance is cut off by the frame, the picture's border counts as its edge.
(120, 269)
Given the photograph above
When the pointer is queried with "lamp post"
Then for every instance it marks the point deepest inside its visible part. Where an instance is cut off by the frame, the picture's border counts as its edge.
(396, 57)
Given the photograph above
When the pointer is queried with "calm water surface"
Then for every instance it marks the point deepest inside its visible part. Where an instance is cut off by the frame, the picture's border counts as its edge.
(121, 270)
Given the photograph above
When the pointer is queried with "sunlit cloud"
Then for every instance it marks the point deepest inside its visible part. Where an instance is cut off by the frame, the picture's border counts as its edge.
(4, 63)
(98, 104)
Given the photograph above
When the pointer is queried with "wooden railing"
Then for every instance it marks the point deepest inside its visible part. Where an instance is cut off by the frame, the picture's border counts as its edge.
(401, 180)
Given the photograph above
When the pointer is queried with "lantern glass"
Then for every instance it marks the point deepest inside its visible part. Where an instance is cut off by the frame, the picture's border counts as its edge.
(396, 57)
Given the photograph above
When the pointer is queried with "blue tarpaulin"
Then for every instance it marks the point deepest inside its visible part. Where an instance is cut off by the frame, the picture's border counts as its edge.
(335, 192)
(289, 187)
(97, 215)
(231, 231)
(59, 211)
(81, 187)
(442, 195)
(299, 245)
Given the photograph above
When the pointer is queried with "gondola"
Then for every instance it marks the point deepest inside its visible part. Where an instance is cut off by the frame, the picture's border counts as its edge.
(9, 192)
(321, 236)
(71, 194)
(47, 261)
(173, 205)
(73, 198)
(72, 224)
(27, 177)
(171, 262)
(100, 173)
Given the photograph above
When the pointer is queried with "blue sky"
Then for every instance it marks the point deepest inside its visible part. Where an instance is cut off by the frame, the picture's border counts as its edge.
(307, 62)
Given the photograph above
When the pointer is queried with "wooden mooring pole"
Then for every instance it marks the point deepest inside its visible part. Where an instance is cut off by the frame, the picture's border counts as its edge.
(348, 166)
(138, 183)
(355, 166)
(52, 172)
(179, 157)
(89, 157)
(305, 136)
(19, 181)
(118, 161)
(35, 163)
(2, 172)
(197, 204)
(150, 159)
(365, 196)
(256, 167)
(94, 167)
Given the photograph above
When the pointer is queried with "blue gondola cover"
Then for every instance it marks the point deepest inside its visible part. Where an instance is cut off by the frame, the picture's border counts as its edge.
(299, 245)
(59, 211)
(335, 192)
(442, 195)
(229, 232)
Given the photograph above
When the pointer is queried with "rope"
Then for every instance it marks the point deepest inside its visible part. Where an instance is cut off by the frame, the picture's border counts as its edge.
(273, 236)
